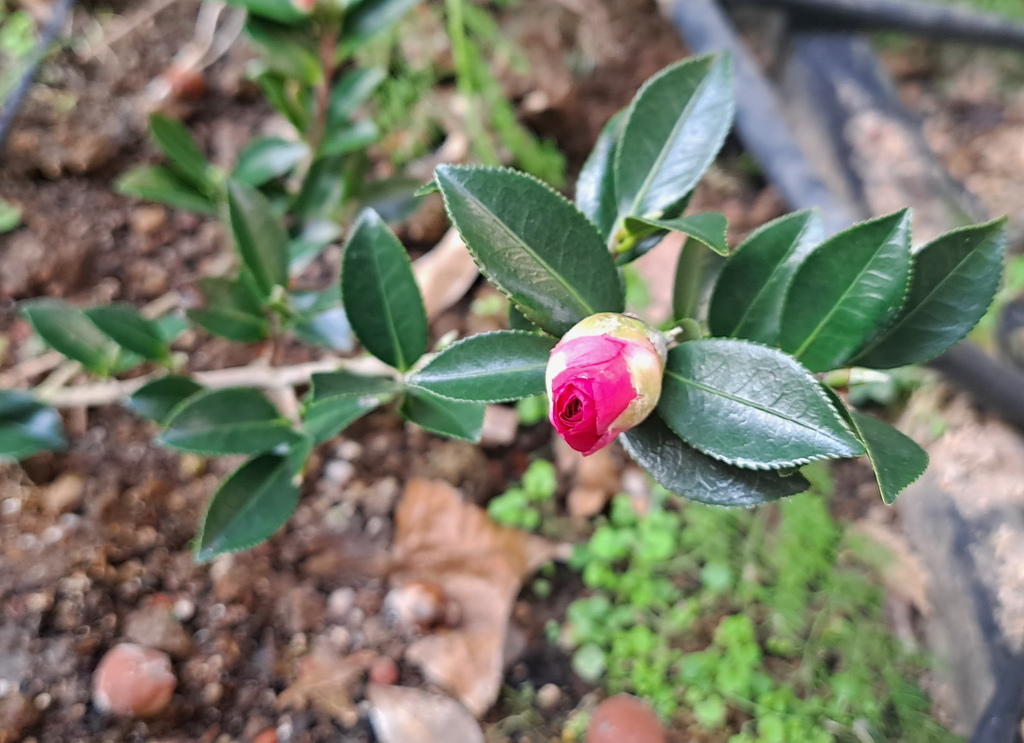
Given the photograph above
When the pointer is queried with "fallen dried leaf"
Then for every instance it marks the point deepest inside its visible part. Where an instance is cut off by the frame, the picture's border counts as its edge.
(445, 274)
(480, 567)
(404, 715)
(324, 680)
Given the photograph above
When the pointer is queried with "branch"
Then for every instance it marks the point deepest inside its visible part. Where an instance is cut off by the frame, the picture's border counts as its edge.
(264, 377)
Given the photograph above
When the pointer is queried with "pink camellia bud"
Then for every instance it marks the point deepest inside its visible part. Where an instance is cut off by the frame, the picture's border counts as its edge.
(603, 378)
(305, 6)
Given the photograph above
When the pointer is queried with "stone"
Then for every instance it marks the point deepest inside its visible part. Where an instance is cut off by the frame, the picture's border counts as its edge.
(133, 681)
(624, 719)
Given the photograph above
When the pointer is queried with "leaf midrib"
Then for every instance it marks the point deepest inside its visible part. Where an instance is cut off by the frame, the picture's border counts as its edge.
(526, 248)
(842, 299)
(904, 319)
(663, 154)
(455, 377)
(389, 319)
(750, 403)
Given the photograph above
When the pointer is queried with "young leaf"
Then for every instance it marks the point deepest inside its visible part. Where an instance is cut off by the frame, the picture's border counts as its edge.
(27, 427)
(953, 280)
(314, 238)
(846, 289)
(348, 137)
(687, 472)
(231, 311)
(157, 183)
(259, 236)
(68, 330)
(183, 154)
(380, 295)
(675, 127)
(337, 399)
(595, 187)
(707, 228)
(156, 400)
(751, 406)
(500, 366)
(275, 10)
(366, 18)
(897, 459)
(532, 244)
(351, 91)
(453, 418)
(323, 189)
(267, 158)
(251, 504)
(321, 321)
(236, 420)
(123, 324)
(750, 291)
(290, 50)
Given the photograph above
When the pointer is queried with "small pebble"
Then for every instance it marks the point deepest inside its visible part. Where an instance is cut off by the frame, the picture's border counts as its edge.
(184, 609)
(340, 603)
(339, 472)
(548, 696)
(384, 671)
(267, 736)
(133, 681)
(624, 719)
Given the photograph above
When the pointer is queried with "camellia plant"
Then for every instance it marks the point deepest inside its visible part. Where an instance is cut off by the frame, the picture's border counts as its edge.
(723, 405)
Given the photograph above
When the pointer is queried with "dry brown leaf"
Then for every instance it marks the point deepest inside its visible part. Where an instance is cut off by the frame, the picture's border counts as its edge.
(480, 566)
(403, 715)
(445, 274)
(324, 680)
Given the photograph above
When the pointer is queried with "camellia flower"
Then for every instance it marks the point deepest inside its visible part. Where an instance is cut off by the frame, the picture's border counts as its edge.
(603, 378)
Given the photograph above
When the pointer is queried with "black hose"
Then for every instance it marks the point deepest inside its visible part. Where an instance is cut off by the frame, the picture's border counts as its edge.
(53, 26)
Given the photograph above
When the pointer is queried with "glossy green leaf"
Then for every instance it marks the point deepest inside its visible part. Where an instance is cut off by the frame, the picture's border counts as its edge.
(123, 324)
(751, 406)
(183, 154)
(237, 420)
(27, 427)
(231, 311)
(156, 400)
(953, 281)
(897, 459)
(687, 472)
(595, 187)
(380, 295)
(10, 216)
(252, 503)
(453, 418)
(751, 290)
(282, 95)
(674, 129)
(367, 18)
(171, 325)
(260, 237)
(348, 137)
(321, 320)
(68, 330)
(323, 189)
(283, 11)
(267, 158)
(157, 183)
(708, 228)
(847, 288)
(290, 50)
(350, 92)
(532, 244)
(311, 242)
(501, 366)
(338, 399)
